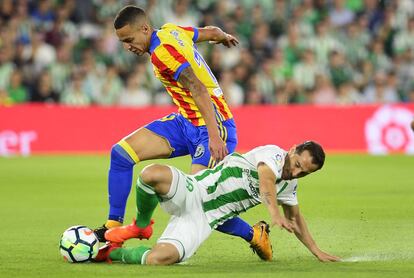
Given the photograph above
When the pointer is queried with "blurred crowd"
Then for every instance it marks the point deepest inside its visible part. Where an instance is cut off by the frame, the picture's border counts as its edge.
(340, 52)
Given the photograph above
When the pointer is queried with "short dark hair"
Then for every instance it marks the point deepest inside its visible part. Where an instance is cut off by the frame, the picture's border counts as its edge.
(315, 150)
(128, 15)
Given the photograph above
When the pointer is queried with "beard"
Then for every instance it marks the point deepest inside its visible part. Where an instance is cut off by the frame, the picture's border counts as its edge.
(286, 175)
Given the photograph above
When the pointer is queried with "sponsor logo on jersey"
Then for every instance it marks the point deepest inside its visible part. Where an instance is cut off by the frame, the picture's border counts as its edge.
(199, 151)
(175, 34)
(278, 158)
(253, 184)
(218, 92)
(254, 190)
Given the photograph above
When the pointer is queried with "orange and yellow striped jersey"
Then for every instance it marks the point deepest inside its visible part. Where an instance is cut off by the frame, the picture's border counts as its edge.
(172, 49)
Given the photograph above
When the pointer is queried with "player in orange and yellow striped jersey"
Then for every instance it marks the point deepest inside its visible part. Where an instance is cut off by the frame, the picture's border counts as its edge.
(203, 127)
(172, 50)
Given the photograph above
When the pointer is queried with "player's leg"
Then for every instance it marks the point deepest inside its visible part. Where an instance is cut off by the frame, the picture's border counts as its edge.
(160, 254)
(141, 145)
(154, 181)
(188, 227)
(158, 139)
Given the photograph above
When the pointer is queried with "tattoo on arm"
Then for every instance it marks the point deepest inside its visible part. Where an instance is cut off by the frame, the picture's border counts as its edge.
(189, 80)
(266, 197)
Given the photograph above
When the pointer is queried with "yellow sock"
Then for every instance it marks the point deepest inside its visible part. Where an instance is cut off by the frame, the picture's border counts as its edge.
(112, 223)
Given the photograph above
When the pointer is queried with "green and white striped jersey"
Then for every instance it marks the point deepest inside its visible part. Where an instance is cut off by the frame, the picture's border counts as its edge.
(232, 186)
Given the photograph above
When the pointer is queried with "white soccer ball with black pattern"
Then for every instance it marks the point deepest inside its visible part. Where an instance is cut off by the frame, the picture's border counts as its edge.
(78, 244)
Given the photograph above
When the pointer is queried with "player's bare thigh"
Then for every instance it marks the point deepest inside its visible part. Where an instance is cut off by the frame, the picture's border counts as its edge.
(195, 168)
(163, 254)
(159, 177)
(148, 145)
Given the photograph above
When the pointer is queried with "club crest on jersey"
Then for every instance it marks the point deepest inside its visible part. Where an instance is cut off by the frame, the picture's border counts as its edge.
(278, 159)
(199, 151)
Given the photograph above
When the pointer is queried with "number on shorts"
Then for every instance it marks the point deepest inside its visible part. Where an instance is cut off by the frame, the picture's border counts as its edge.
(190, 185)
(167, 118)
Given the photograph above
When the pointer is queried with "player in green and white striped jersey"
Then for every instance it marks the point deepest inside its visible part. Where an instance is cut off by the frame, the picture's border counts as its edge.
(199, 203)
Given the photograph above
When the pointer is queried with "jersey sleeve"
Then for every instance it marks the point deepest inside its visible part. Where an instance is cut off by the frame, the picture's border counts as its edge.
(169, 61)
(273, 157)
(192, 32)
(287, 193)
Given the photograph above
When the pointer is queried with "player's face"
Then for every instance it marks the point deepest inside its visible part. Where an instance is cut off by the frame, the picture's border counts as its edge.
(297, 165)
(135, 38)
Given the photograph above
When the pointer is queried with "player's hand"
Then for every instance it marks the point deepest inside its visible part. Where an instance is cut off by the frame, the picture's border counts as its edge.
(325, 257)
(228, 41)
(282, 223)
(217, 147)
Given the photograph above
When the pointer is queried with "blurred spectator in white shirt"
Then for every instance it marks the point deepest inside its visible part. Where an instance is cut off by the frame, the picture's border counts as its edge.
(340, 15)
(134, 94)
(61, 69)
(405, 39)
(233, 92)
(111, 88)
(94, 74)
(348, 94)
(305, 72)
(6, 65)
(266, 83)
(158, 10)
(323, 43)
(182, 15)
(355, 41)
(379, 91)
(281, 69)
(379, 58)
(41, 53)
(324, 93)
(74, 95)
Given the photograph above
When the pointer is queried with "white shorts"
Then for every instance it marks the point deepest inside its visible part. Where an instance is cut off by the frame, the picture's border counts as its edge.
(188, 226)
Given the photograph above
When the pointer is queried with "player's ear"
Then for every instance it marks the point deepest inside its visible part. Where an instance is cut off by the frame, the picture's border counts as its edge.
(292, 149)
(145, 28)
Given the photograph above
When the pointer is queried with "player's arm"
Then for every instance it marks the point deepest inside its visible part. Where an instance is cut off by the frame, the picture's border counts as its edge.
(301, 230)
(267, 188)
(202, 99)
(215, 35)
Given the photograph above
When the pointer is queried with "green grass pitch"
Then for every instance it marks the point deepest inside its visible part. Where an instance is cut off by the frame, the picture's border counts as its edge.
(358, 207)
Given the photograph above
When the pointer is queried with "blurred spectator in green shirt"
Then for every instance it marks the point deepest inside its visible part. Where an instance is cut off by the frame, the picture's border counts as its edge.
(17, 92)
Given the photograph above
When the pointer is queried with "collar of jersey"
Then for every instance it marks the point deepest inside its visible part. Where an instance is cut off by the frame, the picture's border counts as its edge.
(155, 41)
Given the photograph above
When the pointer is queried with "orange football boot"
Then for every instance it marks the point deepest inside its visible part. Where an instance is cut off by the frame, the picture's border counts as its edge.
(120, 234)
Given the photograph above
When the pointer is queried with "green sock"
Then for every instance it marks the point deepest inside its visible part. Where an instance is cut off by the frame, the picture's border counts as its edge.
(147, 201)
(130, 255)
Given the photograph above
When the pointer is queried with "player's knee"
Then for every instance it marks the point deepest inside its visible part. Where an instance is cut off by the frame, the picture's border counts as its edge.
(161, 258)
(120, 158)
(152, 174)
(114, 151)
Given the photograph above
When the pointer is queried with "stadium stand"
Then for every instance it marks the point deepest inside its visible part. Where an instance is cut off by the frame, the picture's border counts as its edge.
(342, 52)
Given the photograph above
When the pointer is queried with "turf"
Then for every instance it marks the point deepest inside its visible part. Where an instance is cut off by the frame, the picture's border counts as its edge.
(358, 207)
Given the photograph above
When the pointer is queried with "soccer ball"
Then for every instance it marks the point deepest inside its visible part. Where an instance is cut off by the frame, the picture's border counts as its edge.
(78, 244)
